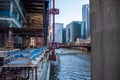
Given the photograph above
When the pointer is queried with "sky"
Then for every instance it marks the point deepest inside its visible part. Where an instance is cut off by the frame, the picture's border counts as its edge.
(70, 10)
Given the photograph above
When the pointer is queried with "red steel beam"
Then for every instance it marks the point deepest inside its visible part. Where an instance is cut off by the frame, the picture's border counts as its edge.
(53, 22)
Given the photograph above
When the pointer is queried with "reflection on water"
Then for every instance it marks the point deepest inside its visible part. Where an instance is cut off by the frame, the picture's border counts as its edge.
(73, 66)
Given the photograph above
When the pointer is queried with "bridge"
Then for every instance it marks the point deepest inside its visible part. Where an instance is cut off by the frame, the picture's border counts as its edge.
(82, 45)
(56, 45)
(75, 45)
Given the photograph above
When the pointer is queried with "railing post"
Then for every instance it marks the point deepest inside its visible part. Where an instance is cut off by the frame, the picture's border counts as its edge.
(36, 73)
(32, 73)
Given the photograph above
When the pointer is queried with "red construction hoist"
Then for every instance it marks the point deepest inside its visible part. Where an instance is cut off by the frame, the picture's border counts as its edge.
(53, 45)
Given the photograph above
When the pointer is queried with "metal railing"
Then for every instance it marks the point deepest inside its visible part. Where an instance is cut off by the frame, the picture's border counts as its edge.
(6, 14)
(27, 54)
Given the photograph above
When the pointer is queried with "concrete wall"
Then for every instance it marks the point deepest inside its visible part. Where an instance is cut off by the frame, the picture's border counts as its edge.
(105, 31)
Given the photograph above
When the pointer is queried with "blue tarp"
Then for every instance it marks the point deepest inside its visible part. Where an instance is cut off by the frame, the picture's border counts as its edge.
(24, 54)
(19, 62)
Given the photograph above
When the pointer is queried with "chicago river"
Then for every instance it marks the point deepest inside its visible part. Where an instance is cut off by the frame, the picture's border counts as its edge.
(72, 66)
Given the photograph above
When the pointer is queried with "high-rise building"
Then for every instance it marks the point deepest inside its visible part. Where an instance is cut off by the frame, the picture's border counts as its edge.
(68, 33)
(58, 32)
(86, 19)
(64, 35)
(75, 30)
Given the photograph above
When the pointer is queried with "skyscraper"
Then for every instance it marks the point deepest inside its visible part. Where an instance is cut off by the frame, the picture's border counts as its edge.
(86, 19)
(75, 30)
(64, 35)
(68, 31)
(58, 32)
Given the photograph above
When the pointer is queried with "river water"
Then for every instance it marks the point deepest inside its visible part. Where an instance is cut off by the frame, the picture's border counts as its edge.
(72, 66)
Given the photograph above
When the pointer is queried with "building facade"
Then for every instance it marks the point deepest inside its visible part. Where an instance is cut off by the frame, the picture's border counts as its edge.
(59, 32)
(11, 16)
(68, 33)
(86, 19)
(75, 30)
(20, 20)
(64, 35)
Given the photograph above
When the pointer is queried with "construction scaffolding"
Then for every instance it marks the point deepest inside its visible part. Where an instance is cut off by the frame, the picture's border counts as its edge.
(20, 20)
(21, 65)
(23, 25)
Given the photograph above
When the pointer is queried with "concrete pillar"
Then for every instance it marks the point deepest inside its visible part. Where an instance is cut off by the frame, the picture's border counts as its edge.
(105, 32)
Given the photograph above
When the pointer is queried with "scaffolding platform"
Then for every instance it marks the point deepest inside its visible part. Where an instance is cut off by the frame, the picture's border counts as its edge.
(27, 63)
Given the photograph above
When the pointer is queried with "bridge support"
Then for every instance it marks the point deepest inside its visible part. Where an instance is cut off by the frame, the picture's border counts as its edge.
(105, 31)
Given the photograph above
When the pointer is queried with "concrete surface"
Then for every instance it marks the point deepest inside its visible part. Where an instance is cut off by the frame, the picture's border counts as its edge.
(105, 32)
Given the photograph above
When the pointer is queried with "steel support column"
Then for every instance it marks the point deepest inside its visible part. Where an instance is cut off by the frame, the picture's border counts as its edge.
(53, 22)
(25, 72)
(32, 73)
(19, 8)
(45, 22)
(35, 73)
(5, 37)
(18, 16)
(28, 73)
(36, 40)
(11, 8)
(11, 13)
